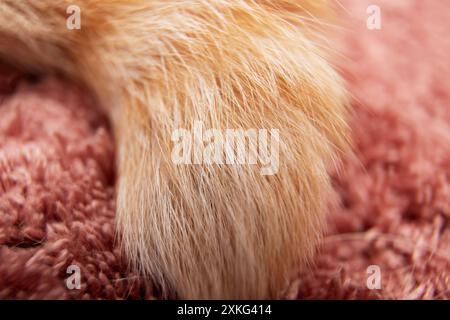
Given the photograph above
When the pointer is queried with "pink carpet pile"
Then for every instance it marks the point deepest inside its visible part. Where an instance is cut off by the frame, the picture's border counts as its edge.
(57, 175)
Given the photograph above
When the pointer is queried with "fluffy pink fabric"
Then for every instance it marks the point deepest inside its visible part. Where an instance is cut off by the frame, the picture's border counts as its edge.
(395, 205)
(57, 175)
(57, 197)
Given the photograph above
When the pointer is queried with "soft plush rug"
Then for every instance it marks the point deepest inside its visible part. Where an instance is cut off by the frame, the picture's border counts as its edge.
(57, 175)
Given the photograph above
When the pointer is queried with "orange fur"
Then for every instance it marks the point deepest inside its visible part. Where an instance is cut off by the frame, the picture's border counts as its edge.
(201, 231)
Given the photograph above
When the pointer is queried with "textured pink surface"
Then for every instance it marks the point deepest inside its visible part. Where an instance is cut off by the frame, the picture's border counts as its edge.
(395, 199)
(57, 175)
(57, 197)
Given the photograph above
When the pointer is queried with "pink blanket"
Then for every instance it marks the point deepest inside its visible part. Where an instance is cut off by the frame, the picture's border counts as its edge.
(57, 175)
